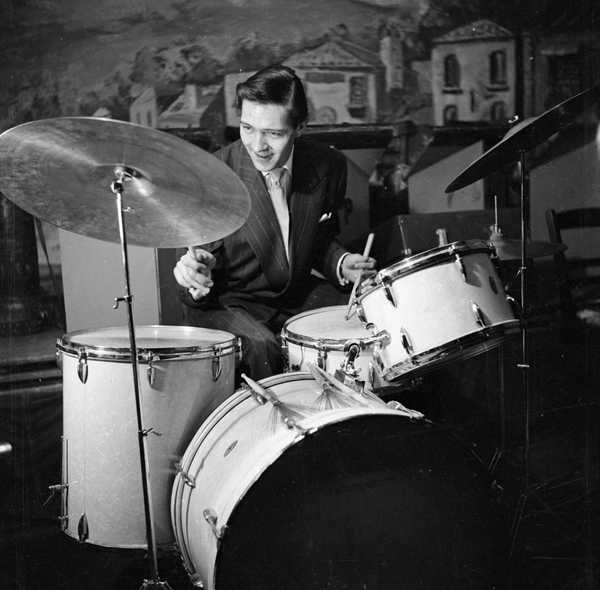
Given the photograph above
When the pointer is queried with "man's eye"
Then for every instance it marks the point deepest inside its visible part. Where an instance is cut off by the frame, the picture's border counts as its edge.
(246, 127)
(276, 133)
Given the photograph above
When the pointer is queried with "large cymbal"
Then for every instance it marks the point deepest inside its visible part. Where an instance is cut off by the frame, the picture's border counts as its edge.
(61, 171)
(525, 136)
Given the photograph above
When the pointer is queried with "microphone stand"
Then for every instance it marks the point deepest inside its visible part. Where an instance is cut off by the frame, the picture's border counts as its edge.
(124, 174)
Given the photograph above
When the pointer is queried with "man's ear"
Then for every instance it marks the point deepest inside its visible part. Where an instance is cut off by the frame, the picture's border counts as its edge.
(300, 128)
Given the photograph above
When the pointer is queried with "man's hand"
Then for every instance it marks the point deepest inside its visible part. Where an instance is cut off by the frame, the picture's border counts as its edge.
(193, 271)
(353, 264)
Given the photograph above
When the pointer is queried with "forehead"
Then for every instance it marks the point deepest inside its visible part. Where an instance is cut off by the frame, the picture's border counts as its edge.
(265, 115)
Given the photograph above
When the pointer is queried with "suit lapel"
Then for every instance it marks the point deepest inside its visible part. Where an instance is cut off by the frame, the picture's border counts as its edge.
(261, 229)
(304, 202)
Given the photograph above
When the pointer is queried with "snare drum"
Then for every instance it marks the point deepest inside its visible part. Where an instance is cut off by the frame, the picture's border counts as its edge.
(438, 306)
(276, 494)
(184, 373)
(323, 336)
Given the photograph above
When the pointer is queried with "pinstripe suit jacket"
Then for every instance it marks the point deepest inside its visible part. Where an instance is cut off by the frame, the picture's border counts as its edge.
(252, 268)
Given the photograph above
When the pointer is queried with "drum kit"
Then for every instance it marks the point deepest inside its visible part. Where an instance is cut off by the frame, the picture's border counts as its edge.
(304, 478)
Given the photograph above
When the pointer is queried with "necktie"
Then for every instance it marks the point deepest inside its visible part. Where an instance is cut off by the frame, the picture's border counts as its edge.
(277, 181)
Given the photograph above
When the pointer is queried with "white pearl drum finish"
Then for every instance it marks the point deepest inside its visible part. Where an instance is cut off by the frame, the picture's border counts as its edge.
(184, 373)
(438, 306)
(336, 498)
(318, 336)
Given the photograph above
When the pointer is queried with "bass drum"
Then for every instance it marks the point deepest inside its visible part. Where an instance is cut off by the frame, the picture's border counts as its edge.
(283, 495)
(184, 374)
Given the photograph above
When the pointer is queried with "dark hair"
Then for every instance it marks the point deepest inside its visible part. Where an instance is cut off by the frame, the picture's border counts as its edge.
(278, 85)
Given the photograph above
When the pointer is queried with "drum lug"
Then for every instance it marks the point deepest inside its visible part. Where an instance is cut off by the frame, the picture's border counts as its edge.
(458, 261)
(217, 365)
(387, 289)
(187, 478)
(59, 360)
(514, 305)
(82, 366)
(211, 519)
(83, 529)
(151, 370)
(478, 314)
(406, 342)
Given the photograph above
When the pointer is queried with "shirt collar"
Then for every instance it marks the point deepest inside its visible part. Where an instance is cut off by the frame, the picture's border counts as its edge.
(287, 164)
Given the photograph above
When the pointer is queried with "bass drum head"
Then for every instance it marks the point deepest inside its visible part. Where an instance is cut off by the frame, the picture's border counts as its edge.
(378, 502)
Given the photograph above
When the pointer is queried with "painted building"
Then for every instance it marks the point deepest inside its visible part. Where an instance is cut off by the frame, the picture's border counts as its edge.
(474, 74)
(187, 110)
(344, 82)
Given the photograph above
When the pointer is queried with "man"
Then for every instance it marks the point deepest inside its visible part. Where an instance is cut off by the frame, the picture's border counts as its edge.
(252, 281)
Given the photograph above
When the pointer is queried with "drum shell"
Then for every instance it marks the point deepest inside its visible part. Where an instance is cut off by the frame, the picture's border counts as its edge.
(101, 460)
(318, 336)
(239, 446)
(435, 308)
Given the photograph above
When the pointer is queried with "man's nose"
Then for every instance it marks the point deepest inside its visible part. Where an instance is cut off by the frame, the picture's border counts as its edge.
(259, 141)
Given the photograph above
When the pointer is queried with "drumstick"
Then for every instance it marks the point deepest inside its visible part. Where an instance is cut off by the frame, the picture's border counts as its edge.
(359, 276)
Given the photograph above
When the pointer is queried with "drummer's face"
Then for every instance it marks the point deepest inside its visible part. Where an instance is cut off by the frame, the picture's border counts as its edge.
(267, 134)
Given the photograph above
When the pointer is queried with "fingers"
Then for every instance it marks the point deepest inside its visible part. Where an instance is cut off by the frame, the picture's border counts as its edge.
(193, 275)
(202, 256)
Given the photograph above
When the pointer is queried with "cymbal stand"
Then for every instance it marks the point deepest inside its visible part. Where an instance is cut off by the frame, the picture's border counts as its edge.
(523, 365)
(123, 175)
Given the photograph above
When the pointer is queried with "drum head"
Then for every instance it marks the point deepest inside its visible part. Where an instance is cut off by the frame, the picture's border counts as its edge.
(326, 324)
(114, 341)
(374, 502)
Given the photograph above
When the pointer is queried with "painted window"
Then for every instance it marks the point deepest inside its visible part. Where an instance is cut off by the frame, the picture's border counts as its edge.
(451, 72)
(357, 105)
(450, 113)
(498, 68)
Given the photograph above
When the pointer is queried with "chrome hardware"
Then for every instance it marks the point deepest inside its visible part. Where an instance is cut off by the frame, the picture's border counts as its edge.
(217, 365)
(83, 529)
(352, 349)
(387, 289)
(82, 366)
(127, 298)
(458, 261)
(514, 305)
(211, 519)
(151, 370)
(59, 360)
(260, 393)
(188, 479)
(321, 356)
(406, 342)
(479, 317)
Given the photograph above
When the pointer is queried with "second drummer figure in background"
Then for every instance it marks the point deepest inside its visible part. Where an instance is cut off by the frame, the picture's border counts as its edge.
(252, 281)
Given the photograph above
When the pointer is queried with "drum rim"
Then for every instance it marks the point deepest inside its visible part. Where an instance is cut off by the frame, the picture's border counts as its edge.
(492, 335)
(422, 261)
(66, 345)
(337, 344)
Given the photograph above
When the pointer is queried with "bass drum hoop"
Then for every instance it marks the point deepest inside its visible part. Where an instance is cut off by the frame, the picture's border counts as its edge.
(315, 423)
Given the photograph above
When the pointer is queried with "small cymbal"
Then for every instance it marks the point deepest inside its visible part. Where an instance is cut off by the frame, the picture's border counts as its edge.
(175, 194)
(510, 249)
(525, 136)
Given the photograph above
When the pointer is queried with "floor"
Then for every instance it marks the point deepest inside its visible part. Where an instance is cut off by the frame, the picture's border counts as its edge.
(546, 476)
